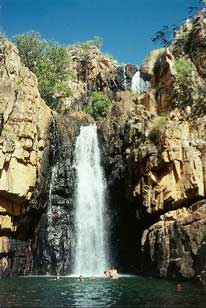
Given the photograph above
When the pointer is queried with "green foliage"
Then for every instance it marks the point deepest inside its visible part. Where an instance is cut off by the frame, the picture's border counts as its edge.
(48, 61)
(162, 36)
(96, 41)
(31, 48)
(185, 87)
(183, 71)
(165, 35)
(4, 43)
(85, 47)
(158, 127)
(98, 105)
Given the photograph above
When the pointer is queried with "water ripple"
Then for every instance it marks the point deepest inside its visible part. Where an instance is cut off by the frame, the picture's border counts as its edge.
(122, 293)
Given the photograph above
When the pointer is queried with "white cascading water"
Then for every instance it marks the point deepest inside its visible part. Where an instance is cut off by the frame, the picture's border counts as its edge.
(138, 84)
(91, 236)
(124, 77)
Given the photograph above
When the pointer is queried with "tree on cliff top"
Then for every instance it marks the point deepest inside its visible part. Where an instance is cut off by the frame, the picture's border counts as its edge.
(49, 61)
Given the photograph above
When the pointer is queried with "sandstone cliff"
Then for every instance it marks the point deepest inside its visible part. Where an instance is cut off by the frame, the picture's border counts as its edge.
(156, 147)
(36, 177)
(25, 119)
(91, 70)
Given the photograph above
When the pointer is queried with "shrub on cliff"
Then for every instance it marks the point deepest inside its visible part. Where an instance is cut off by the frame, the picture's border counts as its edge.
(5, 45)
(183, 71)
(48, 61)
(157, 130)
(98, 105)
(183, 82)
(95, 42)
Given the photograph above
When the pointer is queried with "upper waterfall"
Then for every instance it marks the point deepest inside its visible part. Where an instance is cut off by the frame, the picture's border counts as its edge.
(91, 236)
(138, 84)
(124, 77)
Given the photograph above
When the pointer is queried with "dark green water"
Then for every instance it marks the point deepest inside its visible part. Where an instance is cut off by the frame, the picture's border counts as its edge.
(124, 292)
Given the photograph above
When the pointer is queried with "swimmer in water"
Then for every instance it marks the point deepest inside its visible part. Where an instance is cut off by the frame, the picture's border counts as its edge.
(80, 278)
(179, 287)
(114, 274)
(107, 274)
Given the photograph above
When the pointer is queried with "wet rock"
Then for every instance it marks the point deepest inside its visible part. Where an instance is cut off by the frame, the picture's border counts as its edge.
(124, 76)
(173, 246)
(55, 237)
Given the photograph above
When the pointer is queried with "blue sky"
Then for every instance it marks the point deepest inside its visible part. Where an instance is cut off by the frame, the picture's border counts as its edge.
(126, 26)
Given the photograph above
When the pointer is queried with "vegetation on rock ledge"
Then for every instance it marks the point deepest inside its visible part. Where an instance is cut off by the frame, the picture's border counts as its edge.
(98, 105)
(158, 127)
(184, 83)
(183, 71)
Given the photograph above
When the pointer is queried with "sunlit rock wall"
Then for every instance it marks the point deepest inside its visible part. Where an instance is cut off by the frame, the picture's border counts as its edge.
(25, 120)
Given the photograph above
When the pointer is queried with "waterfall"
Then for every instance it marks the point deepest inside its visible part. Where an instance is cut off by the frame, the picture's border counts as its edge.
(91, 236)
(55, 153)
(138, 84)
(124, 77)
